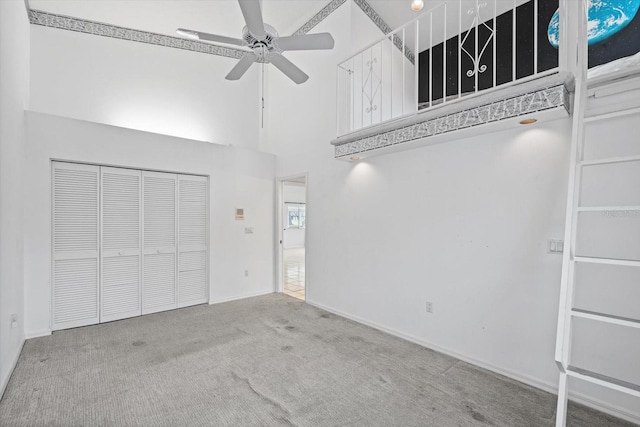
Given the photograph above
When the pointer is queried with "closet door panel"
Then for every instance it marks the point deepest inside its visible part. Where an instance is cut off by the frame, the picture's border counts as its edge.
(75, 244)
(159, 242)
(193, 283)
(121, 252)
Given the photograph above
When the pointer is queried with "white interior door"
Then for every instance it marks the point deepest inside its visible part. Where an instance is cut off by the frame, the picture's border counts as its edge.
(75, 278)
(159, 242)
(121, 245)
(193, 282)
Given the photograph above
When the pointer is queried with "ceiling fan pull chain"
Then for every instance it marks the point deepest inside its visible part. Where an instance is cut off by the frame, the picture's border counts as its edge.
(263, 94)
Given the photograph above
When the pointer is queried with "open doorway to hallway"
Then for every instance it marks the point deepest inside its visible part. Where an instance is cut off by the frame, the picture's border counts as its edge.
(293, 214)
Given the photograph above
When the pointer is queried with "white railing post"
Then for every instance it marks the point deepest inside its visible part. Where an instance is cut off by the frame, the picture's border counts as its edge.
(460, 50)
(495, 45)
(338, 100)
(535, 36)
(430, 60)
(444, 57)
(477, 52)
(402, 56)
(513, 43)
(416, 66)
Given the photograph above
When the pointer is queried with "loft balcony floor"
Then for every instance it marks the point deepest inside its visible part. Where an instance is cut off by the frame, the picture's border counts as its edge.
(548, 98)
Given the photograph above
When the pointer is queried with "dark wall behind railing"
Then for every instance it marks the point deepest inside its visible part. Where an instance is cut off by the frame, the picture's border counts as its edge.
(622, 42)
(524, 61)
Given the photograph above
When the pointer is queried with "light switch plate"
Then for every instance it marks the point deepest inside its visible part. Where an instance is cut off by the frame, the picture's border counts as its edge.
(555, 246)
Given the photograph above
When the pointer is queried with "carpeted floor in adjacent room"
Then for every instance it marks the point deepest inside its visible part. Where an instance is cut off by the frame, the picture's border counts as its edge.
(264, 361)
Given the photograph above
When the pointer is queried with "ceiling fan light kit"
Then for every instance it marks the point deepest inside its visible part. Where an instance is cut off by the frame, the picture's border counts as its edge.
(265, 44)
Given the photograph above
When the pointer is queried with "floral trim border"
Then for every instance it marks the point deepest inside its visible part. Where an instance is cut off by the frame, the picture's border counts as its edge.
(385, 28)
(540, 100)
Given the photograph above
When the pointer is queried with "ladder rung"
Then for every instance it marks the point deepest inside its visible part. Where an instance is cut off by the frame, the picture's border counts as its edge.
(621, 113)
(610, 160)
(604, 380)
(610, 261)
(608, 318)
(608, 208)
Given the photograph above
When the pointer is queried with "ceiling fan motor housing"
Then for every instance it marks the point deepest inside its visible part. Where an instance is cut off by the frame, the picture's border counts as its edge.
(264, 45)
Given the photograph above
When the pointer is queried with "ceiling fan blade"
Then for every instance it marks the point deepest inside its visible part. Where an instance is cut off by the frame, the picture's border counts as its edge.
(306, 42)
(288, 68)
(253, 17)
(242, 66)
(209, 37)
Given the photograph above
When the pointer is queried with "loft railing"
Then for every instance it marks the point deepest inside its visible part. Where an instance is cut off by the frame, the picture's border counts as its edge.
(455, 49)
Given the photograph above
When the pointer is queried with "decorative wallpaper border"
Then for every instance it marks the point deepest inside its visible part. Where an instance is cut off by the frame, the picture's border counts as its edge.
(385, 28)
(540, 100)
(319, 17)
(38, 17)
(52, 20)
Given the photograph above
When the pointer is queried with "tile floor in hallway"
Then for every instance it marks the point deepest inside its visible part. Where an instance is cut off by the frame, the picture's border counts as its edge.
(294, 272)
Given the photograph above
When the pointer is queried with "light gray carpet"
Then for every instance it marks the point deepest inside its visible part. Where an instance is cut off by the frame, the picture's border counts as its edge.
(264, 361)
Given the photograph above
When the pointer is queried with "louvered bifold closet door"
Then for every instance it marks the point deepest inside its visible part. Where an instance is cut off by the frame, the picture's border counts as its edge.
(121, 234)
(159, 241)
(193, 282)
(75, 269)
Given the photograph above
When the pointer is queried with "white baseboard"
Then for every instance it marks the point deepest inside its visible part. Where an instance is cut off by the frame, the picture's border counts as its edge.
(242, 296)
(38, 334)
(14, 362)
(523, 378)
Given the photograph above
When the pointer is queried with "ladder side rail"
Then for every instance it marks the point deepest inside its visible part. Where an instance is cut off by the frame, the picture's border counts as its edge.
(573, 202)
(563, 337)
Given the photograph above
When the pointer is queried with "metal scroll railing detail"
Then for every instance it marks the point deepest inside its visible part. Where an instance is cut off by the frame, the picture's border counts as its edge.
(477, 67)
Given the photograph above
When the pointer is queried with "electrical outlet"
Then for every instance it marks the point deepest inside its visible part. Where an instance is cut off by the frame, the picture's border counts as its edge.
(246, 273)
(555, 246)
(429, 307)
(14, 321)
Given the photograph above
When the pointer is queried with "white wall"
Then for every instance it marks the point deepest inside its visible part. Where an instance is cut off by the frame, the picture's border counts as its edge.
(292, 193)
(238, 178)
(14, 85)
(141, 86)
(463, 224)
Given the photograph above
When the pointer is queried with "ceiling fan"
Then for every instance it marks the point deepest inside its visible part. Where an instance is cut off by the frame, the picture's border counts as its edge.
(265, 43)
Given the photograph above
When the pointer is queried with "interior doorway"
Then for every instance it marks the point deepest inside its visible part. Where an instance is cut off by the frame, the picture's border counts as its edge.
(293, 214)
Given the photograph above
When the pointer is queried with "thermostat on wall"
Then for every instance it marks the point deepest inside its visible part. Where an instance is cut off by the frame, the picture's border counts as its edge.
(239, 214)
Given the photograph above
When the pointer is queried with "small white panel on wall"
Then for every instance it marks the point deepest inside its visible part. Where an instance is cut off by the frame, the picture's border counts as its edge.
(121, 217)
(159, 242)
(75, 278)
(192, 244)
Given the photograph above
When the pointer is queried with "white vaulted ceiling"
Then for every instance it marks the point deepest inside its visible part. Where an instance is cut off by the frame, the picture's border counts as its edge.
(224, 17)
(165, 16)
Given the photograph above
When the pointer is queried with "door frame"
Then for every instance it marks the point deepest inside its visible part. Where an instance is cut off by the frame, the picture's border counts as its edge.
(279, 235)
